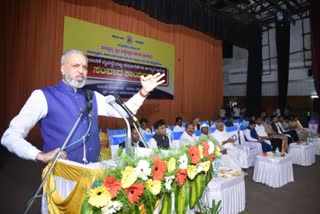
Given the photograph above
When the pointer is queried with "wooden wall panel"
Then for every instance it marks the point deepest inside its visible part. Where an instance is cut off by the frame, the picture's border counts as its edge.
(32, 44)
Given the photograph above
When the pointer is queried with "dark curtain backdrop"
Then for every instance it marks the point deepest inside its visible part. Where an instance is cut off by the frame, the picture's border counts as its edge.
(283, 50)
(315, 42)
(254, 78)
(193, 14)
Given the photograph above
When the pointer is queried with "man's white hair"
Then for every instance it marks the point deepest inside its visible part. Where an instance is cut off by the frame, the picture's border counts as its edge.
(72, 51)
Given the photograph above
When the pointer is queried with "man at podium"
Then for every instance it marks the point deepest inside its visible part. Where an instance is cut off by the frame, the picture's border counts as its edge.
(57, 108)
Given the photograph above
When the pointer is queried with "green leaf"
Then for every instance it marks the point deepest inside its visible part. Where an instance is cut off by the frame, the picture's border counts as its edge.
(166, 204)
(182, 198)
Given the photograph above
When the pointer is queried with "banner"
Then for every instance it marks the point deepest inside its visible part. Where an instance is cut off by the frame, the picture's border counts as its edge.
(117, 59)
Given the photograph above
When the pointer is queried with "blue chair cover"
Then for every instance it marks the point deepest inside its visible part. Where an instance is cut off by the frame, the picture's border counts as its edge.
(212, 129)
(148, 136)
(176, 135)
(231, 129)
(197, 133)
(116, 140)
(243, 127)
(116, 131)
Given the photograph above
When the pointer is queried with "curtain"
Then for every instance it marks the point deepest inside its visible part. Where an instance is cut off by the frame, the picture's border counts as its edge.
(315, 42)
(283, 51)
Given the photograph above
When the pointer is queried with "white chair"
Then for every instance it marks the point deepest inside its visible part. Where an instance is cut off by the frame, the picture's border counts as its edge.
(115, 140)
(252, 148)
(175, 142)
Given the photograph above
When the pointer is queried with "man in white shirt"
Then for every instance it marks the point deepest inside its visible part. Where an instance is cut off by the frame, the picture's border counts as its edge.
(179, 127)
(236, 112)
(144, 127)
(188, 137)
(57, 108)
(261, 131)
(234, 157)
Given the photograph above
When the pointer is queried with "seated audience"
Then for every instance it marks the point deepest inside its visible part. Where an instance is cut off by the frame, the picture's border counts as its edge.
(296, 125)
(160, 139)
(135, 139)
(251, 135)
(195, 123)
(188, 137)
(237, 155)
(276, 127)
(229, 122)
(144, 127)
(274, 134)
(275, 142)
(178, 127)
(205, 136)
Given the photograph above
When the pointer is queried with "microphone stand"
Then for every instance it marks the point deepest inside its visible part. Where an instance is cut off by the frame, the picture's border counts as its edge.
(140, 135)
(128, 142)
(55, 159)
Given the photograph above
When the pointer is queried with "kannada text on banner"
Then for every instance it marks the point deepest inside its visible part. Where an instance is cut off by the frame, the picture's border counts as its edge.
(117, 59)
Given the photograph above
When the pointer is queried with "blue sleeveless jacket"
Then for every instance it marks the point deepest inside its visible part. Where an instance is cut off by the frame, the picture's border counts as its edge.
(64, 107)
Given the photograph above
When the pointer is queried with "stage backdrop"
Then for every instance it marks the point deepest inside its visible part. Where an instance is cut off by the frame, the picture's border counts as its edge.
(32, 44)
(117, 59)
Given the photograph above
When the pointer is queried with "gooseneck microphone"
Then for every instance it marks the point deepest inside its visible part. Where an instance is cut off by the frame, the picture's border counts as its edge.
(89, 96)
(124, 106)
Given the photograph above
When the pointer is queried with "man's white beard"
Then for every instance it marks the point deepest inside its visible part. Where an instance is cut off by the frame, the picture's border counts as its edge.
(74, 83)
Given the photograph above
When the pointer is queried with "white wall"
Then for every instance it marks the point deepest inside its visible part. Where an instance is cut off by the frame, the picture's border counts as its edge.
(300, 84)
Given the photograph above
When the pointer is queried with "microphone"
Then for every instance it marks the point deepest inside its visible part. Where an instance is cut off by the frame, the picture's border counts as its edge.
(89, 96)
(124, 106)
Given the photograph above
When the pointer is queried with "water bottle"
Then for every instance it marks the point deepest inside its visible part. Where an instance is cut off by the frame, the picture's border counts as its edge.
(216, 165)
(277, 152)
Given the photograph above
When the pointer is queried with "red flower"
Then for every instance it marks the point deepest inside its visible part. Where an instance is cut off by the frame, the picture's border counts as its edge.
(205, 147)
(181, 176)
(159, 169)
(194, 154)
(134, 192)
(113, 185)
(211, 157)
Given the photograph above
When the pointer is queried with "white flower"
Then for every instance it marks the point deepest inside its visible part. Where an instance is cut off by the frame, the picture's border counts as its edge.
(112, 207)
(211, 148)
(143, 169)
(168, 182)
(199, 167)
(183, 160)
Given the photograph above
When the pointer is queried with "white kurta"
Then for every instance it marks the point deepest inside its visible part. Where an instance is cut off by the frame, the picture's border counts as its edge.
(186, 139)
(235, 157)
(178, 129)
(36, 108)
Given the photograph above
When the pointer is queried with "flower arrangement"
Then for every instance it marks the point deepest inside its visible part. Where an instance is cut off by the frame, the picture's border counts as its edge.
(142, 184)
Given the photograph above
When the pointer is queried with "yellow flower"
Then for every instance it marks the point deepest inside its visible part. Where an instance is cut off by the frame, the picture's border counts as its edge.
(192, 171)
(200, 151)
(129, 176)
(171, 165)
(154, 186)
(206, 166)
(99, 197)
(217, 152)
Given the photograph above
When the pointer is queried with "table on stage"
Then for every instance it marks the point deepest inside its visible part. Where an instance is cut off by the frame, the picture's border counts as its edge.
(230, 190)
(272, 171)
